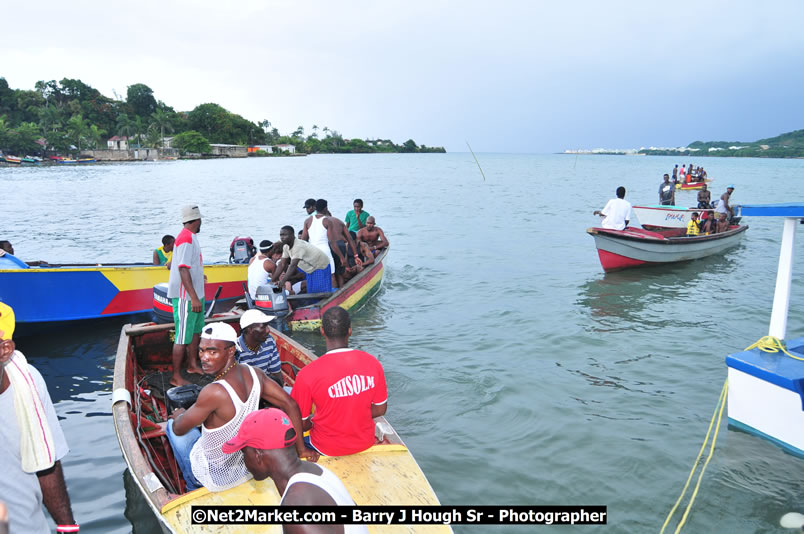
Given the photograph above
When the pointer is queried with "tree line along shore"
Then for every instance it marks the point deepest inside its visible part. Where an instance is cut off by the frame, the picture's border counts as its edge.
(69, 116)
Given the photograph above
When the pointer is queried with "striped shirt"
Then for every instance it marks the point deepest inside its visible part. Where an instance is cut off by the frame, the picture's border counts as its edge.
(266, 357)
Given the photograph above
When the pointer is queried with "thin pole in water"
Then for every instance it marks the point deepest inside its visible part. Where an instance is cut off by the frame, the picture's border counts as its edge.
(478, 163)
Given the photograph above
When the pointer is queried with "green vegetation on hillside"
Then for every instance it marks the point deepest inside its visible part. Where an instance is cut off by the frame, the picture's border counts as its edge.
(69, 116)
(786, 145)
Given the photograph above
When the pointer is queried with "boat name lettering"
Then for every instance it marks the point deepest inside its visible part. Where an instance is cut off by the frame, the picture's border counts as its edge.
(351, 385)
(674, 216)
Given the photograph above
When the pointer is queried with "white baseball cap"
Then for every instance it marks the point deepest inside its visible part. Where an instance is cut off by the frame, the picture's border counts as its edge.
(251, 317)
(221, 331)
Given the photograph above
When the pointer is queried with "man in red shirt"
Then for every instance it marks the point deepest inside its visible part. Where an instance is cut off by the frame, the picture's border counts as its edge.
(347, 387)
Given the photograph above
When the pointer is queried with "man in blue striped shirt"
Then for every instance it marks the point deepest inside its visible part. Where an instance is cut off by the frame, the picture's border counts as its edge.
(256, 347)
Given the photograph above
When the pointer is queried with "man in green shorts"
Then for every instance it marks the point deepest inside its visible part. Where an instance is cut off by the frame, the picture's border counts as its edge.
(186, 291)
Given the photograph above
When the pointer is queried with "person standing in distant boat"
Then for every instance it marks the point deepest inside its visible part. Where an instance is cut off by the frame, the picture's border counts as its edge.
(675, 174)
(723, 206)
(617, 213)
(704, 198)
(164, 254)
(186, 290)
(667, 191)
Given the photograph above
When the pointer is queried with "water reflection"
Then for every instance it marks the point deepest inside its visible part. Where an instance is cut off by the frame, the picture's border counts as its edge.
(647, 297)
(142, 518)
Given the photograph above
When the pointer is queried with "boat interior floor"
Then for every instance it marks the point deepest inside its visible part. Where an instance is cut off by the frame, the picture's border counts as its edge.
(159, 382)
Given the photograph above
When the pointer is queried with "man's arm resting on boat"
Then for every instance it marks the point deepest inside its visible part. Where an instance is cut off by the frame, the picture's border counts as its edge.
(292, 266)
(272, 393)
(54, 494)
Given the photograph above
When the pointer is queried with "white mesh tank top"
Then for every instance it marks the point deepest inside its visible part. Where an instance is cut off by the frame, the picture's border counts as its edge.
(213, 468)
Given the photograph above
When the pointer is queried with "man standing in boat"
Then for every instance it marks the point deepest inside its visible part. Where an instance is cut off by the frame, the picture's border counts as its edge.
(31, 441)
(265, 437)
(220, 410)
(347, 387)
(186, 290)
(617, 212)
(667, 192)
(724, 206)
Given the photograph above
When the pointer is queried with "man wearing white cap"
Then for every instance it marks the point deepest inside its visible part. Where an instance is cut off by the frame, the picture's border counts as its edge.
(220, 410)
(256, 347)
(186, 290)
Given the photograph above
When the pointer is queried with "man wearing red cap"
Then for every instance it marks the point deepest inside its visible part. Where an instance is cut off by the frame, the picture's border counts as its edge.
(347, 387)
(31, 441)
(266, 438)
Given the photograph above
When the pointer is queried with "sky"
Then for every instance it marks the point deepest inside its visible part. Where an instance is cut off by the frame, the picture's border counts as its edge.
(509, 76)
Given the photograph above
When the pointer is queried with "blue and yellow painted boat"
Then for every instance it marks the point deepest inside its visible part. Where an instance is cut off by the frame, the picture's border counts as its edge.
(52, 293)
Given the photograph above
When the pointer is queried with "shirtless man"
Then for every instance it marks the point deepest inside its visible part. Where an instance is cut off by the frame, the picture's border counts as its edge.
(198, 451)
(373, 236)
(336, 231)
(722, 224)
(704, 198)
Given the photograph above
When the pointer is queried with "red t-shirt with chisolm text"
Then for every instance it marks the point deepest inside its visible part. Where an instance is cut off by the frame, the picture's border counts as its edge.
(342, 384)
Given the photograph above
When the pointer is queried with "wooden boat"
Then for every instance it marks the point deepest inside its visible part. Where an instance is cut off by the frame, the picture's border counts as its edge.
(12, 159)
(691, 186)
(659, 217)
(92, 291)
(307, 309)
(385, 474)
(765, 387)
(636, 247)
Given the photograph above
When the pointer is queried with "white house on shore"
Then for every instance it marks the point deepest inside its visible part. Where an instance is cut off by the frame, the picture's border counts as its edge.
(117, 143)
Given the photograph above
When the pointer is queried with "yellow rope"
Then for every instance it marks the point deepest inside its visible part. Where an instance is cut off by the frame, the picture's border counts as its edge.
(772, 344)
(768, 344)
(721, 403)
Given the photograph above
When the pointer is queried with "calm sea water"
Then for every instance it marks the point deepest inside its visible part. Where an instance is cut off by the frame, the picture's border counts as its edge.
(518, 372)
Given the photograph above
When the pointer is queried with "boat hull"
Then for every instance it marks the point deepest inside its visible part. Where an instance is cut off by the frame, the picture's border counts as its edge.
(69, 293)
(765, 396)
(385, 474)
(633, 247)
(351, 297)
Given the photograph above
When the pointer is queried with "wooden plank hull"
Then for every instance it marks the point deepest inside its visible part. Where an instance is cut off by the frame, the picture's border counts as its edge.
(69, 293)
(351, 297)
(385, 474)
(633, 247)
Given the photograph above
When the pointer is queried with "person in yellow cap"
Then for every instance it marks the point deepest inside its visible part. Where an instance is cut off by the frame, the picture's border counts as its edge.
(31, 441)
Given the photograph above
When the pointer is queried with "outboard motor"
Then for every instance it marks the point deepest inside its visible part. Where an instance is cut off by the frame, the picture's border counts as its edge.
(241, 250)
(181, 397)
(162, 306)
(273, 301)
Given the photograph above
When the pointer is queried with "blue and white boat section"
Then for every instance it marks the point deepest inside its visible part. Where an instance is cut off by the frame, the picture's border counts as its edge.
(766, 389)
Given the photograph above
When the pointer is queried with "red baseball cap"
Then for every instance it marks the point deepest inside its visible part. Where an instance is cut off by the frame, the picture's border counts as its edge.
(263, 429)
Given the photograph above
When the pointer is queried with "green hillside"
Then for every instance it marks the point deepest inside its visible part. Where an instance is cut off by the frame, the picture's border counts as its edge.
(786, 145)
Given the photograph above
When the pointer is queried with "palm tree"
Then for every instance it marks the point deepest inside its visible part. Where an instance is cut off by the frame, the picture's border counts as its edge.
(315, 131)
(77, 129)
(125, 126)
(49, 119)
(161, 120)
(95, 136)
(326, 131)
(139, 128)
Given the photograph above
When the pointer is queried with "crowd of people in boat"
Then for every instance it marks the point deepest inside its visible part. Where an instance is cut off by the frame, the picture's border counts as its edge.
(223, 438)
(688, 175)
(299, 262)
(713, 218)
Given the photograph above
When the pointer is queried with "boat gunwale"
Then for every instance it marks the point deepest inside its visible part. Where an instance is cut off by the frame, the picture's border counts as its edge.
(675, 240)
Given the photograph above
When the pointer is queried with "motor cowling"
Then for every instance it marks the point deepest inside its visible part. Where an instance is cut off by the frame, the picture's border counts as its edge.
(162, 305)
(272, 300)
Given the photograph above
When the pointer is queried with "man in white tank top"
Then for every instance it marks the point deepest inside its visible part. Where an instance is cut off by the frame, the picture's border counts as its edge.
(220, 409)
(316, 232)
(260, 269)
(266, 438)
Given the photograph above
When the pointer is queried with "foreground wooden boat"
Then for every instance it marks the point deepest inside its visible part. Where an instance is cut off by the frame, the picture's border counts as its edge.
(658, 217)
(636, 247)
(92, 291)
(307, 309)
(386, 474)
(765, 386)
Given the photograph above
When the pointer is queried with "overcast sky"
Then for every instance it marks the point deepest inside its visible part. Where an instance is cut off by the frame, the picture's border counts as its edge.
(508, 76)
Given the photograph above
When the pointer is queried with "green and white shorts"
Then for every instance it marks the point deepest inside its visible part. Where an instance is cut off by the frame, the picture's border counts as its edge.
(188, 322)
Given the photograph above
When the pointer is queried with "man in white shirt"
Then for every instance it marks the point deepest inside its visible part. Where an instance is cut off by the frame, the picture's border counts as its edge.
(617, 213)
